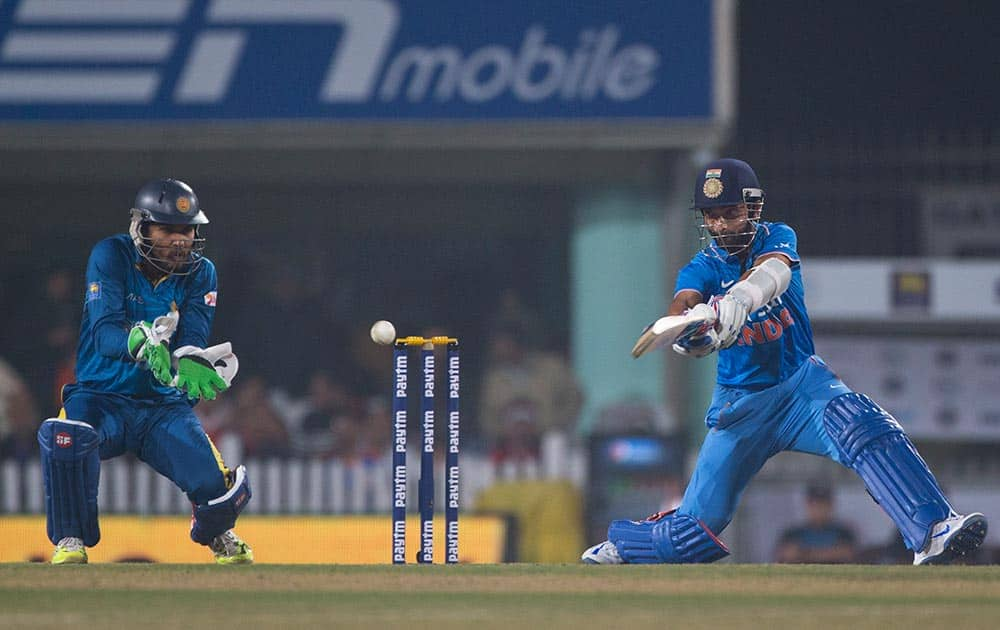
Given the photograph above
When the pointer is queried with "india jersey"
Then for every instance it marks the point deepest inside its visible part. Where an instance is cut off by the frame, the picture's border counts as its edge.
(776, 339)
(118, 295)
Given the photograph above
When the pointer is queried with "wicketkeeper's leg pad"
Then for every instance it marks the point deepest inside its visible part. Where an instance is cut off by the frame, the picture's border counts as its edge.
(873, 444)
(219, 515)
(666, 537)
(71, 471)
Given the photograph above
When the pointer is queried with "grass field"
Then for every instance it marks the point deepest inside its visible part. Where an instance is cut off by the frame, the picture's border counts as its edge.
(721, 596)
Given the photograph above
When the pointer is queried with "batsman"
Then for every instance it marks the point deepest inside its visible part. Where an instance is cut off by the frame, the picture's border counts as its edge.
(142, 363)
(773, 394)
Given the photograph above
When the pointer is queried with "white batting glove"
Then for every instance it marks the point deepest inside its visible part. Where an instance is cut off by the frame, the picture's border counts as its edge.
(732, 313)
(703, 342)
(697, 346)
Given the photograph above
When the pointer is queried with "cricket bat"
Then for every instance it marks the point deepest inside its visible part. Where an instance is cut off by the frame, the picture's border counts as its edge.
(669, 329)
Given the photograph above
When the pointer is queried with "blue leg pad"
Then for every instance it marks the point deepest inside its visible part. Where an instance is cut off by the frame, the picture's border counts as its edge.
(219, 515)
(71, 470)
(666, 537)
(873, 444)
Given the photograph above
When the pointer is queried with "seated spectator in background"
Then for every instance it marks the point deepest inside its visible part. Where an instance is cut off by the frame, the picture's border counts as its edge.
(19, 419)
(328, 401)
(255, 420)
(820, 540)
(216, 417)
(512, 309)
(375, 431)
(345, 428)
(525, 394)
(62, 313)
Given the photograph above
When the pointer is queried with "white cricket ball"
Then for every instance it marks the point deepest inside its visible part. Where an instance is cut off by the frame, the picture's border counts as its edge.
(383, 332)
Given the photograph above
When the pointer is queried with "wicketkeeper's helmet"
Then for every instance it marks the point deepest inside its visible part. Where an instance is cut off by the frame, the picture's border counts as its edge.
(171, 202)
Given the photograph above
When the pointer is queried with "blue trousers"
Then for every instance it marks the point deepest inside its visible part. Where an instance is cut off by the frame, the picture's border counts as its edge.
(747, 428)
(164, 434)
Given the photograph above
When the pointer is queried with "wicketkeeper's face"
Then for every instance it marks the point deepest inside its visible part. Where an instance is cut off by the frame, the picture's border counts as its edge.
(171, 244)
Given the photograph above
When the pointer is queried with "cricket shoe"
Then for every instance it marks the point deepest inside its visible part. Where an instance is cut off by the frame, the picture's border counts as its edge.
(230, 549)
(70, 551)
(952, 539)
(602, 553)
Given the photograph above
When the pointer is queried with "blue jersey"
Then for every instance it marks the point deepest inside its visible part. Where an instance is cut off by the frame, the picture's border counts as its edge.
(777, 339)
(118, 295)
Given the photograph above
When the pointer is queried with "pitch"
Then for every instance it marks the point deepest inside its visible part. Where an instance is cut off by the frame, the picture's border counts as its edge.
(499, 596)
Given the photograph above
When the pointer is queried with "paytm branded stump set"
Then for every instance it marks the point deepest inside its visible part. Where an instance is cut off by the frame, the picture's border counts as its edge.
(425, 488)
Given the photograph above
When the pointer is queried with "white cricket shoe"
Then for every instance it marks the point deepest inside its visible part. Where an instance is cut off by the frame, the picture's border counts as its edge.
(953, 538)
(603, 553)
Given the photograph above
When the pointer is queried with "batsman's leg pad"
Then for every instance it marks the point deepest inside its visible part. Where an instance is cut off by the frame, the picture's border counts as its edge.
(219, 515)
(873, 444)
(666, 537)
(71, 471)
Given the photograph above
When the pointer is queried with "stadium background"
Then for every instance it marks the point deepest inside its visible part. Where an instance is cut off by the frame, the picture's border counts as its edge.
(873, 131)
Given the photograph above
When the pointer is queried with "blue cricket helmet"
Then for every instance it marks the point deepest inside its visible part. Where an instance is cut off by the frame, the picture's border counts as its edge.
(170, 202)
(727, 182)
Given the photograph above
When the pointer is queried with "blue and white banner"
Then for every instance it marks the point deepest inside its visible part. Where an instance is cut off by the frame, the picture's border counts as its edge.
(362, 59)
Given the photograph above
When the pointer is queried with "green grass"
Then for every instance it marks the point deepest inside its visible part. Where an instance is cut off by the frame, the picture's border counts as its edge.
(721, 596)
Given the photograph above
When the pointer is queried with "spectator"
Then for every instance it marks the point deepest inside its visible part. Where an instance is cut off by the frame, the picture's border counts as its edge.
(525, 394)
(216, 416)
(256, 421)
(326, 419)
(19, 419)
(512, 309)
(821, 539)
(44, 338)
(375, 432)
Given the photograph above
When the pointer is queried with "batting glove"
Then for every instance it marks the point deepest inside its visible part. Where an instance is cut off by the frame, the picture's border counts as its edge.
(702, 342)
(732, 312)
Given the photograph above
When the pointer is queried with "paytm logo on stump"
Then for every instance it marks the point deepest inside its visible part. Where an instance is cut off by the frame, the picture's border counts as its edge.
(353, 59)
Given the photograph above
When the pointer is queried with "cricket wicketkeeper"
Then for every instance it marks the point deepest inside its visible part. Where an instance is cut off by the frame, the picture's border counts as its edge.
(142, 363)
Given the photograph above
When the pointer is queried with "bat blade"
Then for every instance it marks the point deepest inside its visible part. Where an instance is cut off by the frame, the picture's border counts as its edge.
(667, 330)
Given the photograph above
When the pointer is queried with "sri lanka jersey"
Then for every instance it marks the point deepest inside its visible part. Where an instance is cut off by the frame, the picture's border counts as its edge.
(117, 296)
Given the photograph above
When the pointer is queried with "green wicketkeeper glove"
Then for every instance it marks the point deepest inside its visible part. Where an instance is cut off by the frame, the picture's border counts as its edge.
(205, 372)
(198, 379)
(143, 346)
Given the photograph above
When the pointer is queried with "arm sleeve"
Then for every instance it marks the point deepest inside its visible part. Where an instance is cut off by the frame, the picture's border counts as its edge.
(198, 308)
(105, 302)
(695, 276)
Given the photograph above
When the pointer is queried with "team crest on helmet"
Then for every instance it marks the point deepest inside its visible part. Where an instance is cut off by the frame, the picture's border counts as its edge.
(183, 205)
(712, 187)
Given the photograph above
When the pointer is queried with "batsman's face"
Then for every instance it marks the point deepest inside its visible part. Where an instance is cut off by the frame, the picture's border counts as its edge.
(726, 220)
(728, 225)
(171, 244)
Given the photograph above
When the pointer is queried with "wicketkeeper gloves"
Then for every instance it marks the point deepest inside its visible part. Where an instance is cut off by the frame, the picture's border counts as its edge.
(143, 346)
(202, 373)
(205, 372)
(197, 378)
